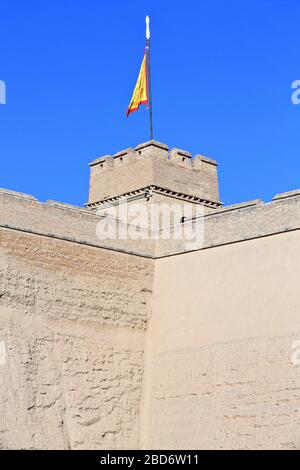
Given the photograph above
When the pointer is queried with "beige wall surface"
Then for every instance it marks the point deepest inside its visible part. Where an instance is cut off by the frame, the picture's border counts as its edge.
(111, 350)
(73, 320)
(218, 357)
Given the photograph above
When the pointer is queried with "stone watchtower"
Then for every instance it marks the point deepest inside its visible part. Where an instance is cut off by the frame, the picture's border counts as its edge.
(153, 171)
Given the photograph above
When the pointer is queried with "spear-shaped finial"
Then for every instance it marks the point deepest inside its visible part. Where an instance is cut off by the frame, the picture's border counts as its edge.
(147, 27)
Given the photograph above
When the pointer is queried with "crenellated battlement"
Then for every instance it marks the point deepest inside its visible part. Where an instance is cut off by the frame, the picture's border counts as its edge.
(153, 164)
(155, 149)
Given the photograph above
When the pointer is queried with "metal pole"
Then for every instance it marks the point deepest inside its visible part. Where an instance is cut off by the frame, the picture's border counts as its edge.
(149, 75)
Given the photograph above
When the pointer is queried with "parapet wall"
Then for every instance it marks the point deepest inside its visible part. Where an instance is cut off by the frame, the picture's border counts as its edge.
(230, 224)
(253, 219)
(153, 164)
(24, 213)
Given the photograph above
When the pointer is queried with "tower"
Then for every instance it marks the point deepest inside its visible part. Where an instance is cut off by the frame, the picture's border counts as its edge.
(153, 171)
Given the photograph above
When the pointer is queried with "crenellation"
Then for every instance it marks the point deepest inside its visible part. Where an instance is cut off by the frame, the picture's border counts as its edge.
(197, 162)
(153, 163)
(180, 157)
(125, 156)
(155, 150)
(207, 160)
(99, 160)
(206, 164)
(152, 149)
(108, 163)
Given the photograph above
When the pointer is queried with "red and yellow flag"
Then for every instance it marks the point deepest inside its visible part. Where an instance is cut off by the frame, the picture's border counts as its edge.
(140, 94)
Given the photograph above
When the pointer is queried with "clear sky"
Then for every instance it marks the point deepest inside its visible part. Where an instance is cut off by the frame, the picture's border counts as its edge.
(221, 72)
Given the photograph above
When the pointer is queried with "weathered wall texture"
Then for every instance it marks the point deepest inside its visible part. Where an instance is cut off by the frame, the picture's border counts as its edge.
(73, 321)
(219, 346)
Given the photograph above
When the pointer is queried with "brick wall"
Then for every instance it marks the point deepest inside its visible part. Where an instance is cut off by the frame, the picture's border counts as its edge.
(153, 164)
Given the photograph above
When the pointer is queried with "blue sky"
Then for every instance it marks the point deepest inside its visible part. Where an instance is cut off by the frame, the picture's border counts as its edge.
(221, 74)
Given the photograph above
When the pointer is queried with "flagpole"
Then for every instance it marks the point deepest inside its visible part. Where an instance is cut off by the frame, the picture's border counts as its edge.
(149, 75)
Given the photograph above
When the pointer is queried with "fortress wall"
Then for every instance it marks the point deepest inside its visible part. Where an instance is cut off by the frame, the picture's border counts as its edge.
(253, 220)
(73, 319)
(230, 224)
(53, 219)
(219, 346)
(242, 222)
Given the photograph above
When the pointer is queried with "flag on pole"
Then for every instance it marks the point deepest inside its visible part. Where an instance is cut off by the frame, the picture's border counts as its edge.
(143, 93)
(140, 93)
